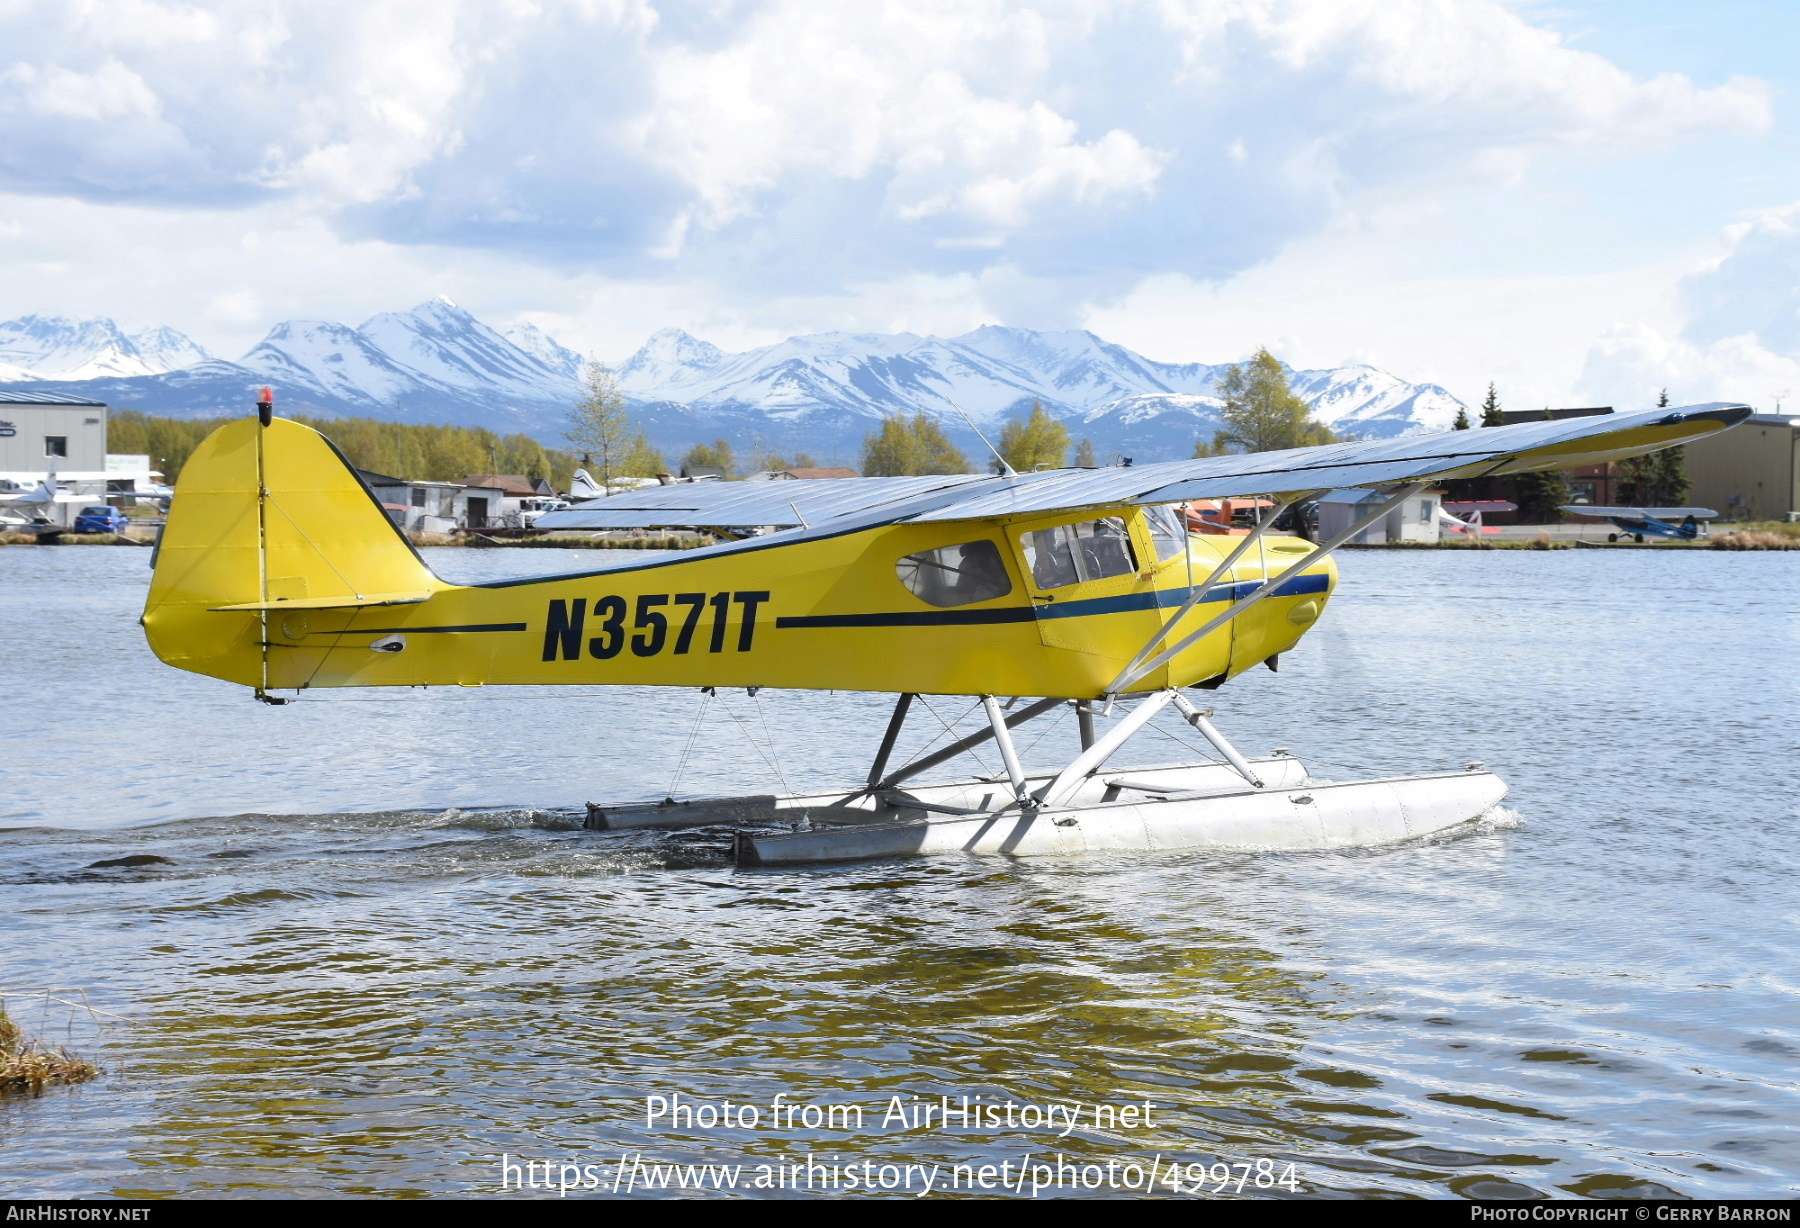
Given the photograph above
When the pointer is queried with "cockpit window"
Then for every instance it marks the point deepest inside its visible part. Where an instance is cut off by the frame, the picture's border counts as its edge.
(1167, 532)
(956, 575)
(1073, 553)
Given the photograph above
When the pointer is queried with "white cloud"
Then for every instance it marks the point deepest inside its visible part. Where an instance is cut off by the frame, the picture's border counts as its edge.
(1632, 363)
(790, 148)
(1740, 336)
(111, 92)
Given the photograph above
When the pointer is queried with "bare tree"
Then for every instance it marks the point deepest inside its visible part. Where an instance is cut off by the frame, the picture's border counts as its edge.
(598, 423)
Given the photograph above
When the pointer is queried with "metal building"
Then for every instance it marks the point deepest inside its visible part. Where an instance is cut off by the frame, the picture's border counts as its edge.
(41, 431)
(1751, 472)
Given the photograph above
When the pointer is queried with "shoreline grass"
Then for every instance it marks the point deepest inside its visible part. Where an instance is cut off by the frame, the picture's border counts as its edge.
(74, 539)
(1759, 537)
(28, 1065)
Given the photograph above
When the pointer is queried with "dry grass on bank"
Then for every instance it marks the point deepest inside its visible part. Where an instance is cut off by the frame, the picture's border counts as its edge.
(1758, 537)
(102, 539)
(75, 539)
(28, 1065)
(1543, 541)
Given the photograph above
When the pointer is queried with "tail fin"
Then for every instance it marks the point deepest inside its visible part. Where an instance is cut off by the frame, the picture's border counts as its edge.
(582, 486)
(268, 522)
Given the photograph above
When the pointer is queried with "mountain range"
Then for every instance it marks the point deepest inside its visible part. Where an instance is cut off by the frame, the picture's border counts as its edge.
(819, 393)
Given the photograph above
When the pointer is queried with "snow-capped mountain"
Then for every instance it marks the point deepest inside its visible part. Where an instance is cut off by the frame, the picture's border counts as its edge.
(321, 356)
(57, 348)
(818, 393)
(1099, 388)
(435, 363)
(670, 360)
(445, 345)
(541, 346)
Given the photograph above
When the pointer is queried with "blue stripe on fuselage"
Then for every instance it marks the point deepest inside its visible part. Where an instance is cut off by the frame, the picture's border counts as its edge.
(1166, 598)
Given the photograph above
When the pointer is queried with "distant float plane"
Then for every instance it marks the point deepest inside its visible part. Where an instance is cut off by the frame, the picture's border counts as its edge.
(1637, 522)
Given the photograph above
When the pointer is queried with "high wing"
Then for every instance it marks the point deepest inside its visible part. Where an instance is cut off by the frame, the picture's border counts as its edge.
(1522, 448)
(1639, 513)
(745, 505)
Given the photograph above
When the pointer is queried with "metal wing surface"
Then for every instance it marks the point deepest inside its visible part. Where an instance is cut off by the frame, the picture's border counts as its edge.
(745, 505)
(1524, 447)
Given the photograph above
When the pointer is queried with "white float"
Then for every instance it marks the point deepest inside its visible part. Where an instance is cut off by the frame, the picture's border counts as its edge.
(1167, 807)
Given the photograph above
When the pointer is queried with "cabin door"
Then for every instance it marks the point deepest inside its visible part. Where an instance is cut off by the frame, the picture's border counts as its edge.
(1085, 585)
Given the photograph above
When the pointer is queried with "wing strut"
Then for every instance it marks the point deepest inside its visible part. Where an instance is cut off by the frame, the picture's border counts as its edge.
(1141, 668)
(1211, 582)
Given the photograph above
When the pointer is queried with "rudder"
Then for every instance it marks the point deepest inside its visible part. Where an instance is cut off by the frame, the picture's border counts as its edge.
(270, 521)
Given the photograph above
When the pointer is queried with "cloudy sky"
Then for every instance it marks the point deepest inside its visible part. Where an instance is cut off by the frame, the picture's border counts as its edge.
(1582, 201)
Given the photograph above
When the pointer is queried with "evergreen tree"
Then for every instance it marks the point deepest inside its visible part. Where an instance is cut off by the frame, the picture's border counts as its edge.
(906, 447)
(718, 455)
(598, 423)
(1462, 419)
(1669, 472)
(1540, 495)
(1261, 413)
(1490, 409)
(1084, 455)
(1658, 479)
(1038, 442)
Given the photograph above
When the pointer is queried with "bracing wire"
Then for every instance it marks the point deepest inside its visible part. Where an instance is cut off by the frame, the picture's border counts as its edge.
(933, 739)
(951, 730)
(769, 739)
(693, 735)
(1050, 727)
(750, 737)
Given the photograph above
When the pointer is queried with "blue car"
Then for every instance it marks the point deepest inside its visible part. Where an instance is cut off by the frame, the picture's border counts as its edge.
(101, 520)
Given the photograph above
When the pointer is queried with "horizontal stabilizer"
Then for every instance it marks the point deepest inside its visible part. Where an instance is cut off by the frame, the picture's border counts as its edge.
(357, 602)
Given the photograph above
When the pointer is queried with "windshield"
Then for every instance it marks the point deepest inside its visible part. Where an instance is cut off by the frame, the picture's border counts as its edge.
(1166, 531)
(1073, 553)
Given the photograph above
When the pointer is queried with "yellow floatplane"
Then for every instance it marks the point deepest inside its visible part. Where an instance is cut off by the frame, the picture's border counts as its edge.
(278, 569)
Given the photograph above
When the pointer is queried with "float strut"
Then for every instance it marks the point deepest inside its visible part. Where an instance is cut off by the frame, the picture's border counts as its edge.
(1008, 755)
(1089, 761)
(964, 744)
(889, 738)
(1197, 718)
(1084, 720)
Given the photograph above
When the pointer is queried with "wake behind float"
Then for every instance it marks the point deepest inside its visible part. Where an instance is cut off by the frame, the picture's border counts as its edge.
(278, 568)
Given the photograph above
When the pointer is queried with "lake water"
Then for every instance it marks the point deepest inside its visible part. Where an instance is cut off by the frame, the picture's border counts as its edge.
(379, 954)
